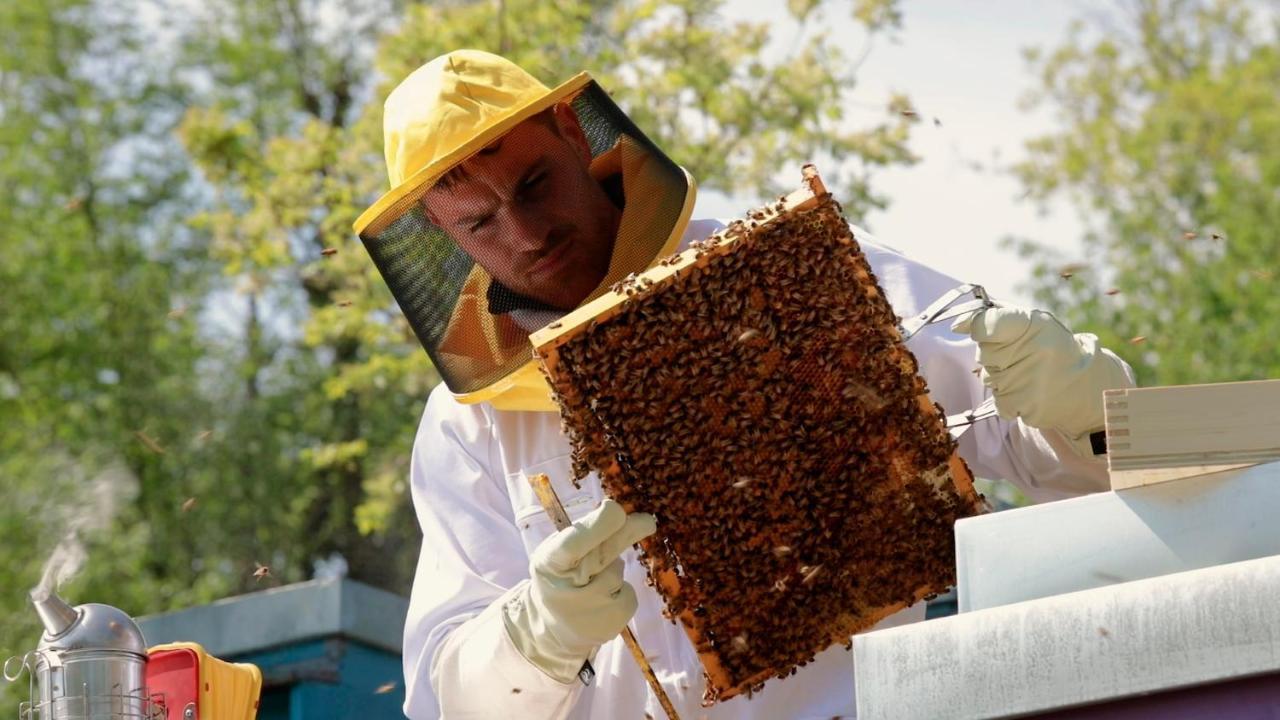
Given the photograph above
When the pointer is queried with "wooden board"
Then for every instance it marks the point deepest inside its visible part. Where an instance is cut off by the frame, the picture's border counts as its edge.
(1160, 434)
(754, 393)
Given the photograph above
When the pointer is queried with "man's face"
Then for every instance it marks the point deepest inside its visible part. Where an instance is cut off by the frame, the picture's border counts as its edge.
(527, 210)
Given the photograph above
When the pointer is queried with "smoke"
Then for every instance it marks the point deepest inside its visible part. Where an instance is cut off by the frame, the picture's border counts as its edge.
(92, 505)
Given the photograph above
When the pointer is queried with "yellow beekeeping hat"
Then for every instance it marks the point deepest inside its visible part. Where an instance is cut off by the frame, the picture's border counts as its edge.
(447, 110)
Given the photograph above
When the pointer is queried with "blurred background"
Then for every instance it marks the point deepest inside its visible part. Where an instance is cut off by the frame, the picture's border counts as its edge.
(202, 375)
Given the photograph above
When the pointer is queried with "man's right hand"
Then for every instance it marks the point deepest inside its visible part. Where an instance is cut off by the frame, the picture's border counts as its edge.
(576, 599)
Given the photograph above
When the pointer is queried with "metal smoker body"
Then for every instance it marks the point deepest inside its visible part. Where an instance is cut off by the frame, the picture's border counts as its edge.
(90, 665)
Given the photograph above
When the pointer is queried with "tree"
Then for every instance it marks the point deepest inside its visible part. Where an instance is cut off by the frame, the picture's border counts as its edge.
(97, 356)
(291, 160)
(189, 378)
(1170, 149)
(699, 84)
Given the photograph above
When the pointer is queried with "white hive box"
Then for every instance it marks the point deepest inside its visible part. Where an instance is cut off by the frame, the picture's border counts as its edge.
(1117, 536)
(1197, 632)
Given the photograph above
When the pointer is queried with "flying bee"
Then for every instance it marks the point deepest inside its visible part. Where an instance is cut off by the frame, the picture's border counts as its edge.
(149, 442)
(1066, 272)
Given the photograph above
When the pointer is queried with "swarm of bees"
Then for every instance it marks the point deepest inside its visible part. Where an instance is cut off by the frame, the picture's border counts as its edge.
(754, 394)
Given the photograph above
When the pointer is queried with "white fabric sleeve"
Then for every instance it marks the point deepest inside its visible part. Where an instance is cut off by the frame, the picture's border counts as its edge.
(1041, 463)
(478, 673)
(458, 660)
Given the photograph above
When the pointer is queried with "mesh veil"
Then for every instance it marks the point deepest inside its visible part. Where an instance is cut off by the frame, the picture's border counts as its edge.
(473, 327)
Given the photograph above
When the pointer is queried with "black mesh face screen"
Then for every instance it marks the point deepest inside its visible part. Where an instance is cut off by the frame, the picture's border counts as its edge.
(528, 211)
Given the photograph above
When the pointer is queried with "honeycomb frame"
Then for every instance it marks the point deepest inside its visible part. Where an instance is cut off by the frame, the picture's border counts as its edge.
(763, 558)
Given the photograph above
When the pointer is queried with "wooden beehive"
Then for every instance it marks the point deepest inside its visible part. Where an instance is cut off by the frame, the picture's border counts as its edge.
(754, 394)
(1158, 434)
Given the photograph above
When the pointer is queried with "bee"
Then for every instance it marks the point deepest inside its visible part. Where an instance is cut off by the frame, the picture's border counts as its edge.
(1113, 291)
(329, 252)
(1070, 270)
(810, 573)
(344, 303)
(149, 442)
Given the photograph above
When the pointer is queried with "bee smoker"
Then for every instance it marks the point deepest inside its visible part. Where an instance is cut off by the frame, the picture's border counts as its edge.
(90, 665)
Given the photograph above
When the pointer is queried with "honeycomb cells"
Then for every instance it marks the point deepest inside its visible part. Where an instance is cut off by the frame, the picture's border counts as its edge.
(762, 405)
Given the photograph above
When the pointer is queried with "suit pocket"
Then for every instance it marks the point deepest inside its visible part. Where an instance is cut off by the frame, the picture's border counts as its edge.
(531, 519)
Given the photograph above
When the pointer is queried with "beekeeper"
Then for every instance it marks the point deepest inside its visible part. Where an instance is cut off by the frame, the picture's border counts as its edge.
(512, 203)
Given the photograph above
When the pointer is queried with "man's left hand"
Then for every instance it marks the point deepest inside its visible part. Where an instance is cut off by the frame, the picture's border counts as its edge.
(1041, 372)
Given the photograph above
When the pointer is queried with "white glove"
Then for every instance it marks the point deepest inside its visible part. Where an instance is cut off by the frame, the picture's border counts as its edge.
(1039, 371)
(576, 599)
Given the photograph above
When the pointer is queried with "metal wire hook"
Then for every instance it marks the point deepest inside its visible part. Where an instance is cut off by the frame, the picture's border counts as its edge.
(23, 664)
(945, 308)
(960, 423)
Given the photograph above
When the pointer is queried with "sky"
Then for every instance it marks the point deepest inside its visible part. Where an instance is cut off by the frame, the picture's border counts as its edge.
(960, 61)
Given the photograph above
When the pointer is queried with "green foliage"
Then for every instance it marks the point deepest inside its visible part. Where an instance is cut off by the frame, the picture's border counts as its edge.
(697, 82)
(1170, 148)
(184, 300)
(91, 266)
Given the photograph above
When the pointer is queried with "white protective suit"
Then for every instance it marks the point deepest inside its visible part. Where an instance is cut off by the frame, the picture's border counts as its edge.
(480, 521)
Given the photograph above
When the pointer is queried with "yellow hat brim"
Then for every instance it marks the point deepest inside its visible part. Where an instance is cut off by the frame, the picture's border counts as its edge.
(390, 205)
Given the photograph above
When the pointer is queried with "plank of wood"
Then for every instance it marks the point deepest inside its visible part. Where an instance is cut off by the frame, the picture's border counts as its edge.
(1159, 434)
